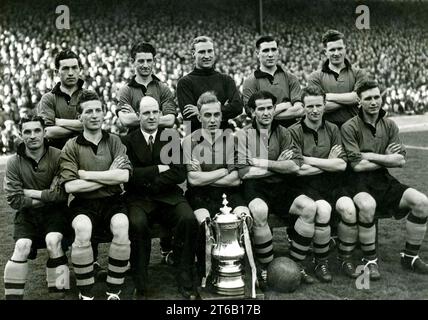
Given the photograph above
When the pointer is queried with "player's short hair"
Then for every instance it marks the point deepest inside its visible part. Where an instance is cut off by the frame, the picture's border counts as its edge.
(312, 91)
(366, 85)
(86, 95)
(331, 35)
(66, 54)
(207, 97)
(30, 118)
(257, 96)
(142, 47)
(264, 39)
(198, 40)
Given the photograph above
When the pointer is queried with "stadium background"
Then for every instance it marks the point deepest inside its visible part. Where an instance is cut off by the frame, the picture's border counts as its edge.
(393, 50)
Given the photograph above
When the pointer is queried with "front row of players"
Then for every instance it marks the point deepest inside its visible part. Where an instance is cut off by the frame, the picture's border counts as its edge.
(300, 173)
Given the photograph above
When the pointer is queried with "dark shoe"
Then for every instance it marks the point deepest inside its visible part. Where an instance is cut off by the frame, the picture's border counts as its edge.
(413, 263)
(373, 268)
(322, 271)
(138, 295)
(348, 268)
(185, 285)
(100, 274)
(82, 297)
(305, 278)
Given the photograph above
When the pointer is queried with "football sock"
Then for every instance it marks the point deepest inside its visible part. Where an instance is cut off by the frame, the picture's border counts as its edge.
(263, 247)
(58, 274)
(367, 236)
(322, 237)
(415, 232)
(348, 236)
(118, 257)
(83, 263)
(15, 276)
(301, 239)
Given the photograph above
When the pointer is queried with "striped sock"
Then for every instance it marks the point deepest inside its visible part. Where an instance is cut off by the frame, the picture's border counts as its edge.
(415, 232)
(322, 237)
(348, 236)
(263, 247)
(58, 274)
(367, 235)
(83, 263)
(15, 276)
(301, 239)
(118, 257)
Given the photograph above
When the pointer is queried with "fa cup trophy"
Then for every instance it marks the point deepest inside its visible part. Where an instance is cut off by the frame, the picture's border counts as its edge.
(230, 249)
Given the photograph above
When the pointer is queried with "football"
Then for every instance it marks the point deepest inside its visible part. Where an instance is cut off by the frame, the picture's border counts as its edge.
(283, 275)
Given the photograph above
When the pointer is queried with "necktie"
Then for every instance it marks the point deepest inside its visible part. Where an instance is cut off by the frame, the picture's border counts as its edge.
(151, 143)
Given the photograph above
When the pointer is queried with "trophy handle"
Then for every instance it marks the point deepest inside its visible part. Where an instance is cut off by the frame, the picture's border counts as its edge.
(249, 220)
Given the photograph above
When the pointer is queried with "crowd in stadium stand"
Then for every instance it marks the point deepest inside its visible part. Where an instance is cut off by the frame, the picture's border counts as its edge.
(393, 50)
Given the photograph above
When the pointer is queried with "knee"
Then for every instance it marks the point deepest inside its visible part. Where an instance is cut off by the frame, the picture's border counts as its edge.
(82, 226)
(367, 207)
(419, 206)
(241, 211)
(119, 225)
(346, 209)
(53, 241)
(259, 210)
(323, 211)
(305, 207)
(201, 215)
(22, 248)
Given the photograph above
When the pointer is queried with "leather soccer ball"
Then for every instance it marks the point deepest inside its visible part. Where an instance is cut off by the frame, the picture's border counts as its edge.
(283, 275)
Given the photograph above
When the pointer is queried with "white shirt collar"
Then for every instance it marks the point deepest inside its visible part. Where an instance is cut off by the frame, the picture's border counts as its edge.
(147, 135)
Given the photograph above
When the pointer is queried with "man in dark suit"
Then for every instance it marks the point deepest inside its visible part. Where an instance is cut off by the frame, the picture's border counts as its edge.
(153, 195)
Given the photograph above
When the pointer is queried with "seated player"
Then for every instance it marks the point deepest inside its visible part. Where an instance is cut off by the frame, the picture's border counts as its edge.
(210, 154)
(32, 188)
(372, 145)
(93, 165)
(268, 162)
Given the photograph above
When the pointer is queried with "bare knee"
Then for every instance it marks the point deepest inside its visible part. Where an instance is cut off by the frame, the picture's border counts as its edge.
(259, 211)
(346, 209)
(416, 201)
(22, 249)
(367, 207)
(201, 215)
(82, 226)
(53, 242)
(119, 226)
(323, 213)
(304, 207)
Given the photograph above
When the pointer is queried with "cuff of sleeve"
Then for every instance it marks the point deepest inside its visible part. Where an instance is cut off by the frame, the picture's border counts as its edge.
(28, 202)
(45, 196)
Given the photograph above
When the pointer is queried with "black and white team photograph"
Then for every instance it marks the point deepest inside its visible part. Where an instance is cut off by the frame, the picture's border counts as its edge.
(197, 151)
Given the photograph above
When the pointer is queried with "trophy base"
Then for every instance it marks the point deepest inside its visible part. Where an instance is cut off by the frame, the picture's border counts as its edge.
(208, 293)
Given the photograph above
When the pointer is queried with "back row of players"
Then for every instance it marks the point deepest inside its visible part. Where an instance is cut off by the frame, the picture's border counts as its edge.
(306, 154)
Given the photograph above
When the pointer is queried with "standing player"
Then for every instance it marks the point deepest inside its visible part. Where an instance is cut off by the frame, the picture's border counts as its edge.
(93, 165)
(204, 78)
(32, 188)
(338, 79)
(144, 83)
(58, 108)
(372, 145)
(270, 76)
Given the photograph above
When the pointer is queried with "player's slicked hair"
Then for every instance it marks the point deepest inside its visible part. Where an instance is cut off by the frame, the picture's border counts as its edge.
(257, 96)
(313, 91)
(66, 54)
(30, 118)
(331, 35)
(264, 39)
(85, 96)
(207, 97)
(142, 47)
(366, 85)
(198, 40)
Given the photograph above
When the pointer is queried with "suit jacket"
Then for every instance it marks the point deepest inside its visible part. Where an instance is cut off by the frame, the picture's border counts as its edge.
(146, 183)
